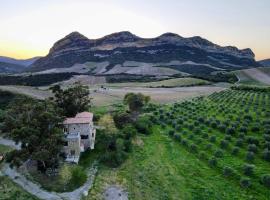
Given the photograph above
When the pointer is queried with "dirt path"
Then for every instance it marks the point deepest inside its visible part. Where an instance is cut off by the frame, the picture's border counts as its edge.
(10, 143)
(36, 189)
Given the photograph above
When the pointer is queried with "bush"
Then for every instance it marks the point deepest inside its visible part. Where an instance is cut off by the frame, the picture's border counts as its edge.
(239, 142)
(235, 151)
(218, 153)
(228, 138)
(144, 125)
(245, 182)
(224, 144)
(193, 147)
(212, 162)
(266, 155)
(230, 131)
(129, 131)
(202, 155)
(250, 156)
(227, 171)
(265, 180)
(177, 137)
(78, 176)
(253, 148)
(248, 169)
(171, 133)
(252, 140)
(213, 139)
(208, 146)
(184, 142)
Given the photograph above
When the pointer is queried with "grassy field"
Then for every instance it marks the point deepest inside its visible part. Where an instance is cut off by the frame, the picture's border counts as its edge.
(176, 161)
(162, 169)
(258, 76)
(176, 82)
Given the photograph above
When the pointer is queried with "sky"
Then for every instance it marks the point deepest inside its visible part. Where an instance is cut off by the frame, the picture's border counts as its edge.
(29, 28)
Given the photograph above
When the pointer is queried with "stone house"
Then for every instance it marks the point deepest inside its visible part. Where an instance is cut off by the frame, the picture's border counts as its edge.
(79, 134)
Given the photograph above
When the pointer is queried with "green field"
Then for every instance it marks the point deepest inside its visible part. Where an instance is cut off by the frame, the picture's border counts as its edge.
(199, 151)
(176, 82)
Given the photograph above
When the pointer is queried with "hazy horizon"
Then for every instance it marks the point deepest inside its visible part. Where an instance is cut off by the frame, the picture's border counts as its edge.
(30, 28)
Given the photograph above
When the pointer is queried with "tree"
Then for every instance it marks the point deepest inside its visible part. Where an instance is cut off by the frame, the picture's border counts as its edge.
(106, 122)
(121, 119)
(72, 100)
(136, 102)
(36, 124)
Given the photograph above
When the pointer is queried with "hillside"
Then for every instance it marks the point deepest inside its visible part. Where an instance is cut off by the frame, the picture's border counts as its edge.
(255, 76)
(126, 53)
(11, 65)
(265, 63)
(10, 68)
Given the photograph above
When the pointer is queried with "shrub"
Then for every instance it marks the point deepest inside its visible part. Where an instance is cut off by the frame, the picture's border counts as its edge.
(239, 142)
(193, 147)
(202, 155)
(252, 140)
(213, 139)
(230, 131)
(184, 142)
(267, 145)
(267, 137)
(224, 144)
(212, 162)
(171, 132)
(253, 148)
(190, 136)
(250, 156)
(208, 146)
(198, 141)
(78, 176)
(245, 182)
(218, 153)
(235, 151)
(248, 169)
(228, 171)
(144, 125)
(266, 155)
(242, 135)
(205, 136)
(177, 137)
(228, 138)
(265, 180)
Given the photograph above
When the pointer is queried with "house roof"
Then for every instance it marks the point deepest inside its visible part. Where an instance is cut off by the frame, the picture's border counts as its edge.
(80, 118)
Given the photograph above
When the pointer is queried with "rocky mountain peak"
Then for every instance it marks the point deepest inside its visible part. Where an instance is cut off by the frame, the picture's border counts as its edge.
(119, 37)
(72, 40)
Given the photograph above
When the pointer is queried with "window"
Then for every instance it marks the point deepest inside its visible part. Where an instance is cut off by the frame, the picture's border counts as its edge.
(93, 135)
(65, 143)
(84, 137)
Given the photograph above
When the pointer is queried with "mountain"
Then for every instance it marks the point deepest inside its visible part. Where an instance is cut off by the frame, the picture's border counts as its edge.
(124, 50)
(23, 62)
(11, 65)
(265, 63)
(10, 68)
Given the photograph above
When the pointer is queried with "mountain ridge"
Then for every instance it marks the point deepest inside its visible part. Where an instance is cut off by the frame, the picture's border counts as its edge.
(123, 46)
